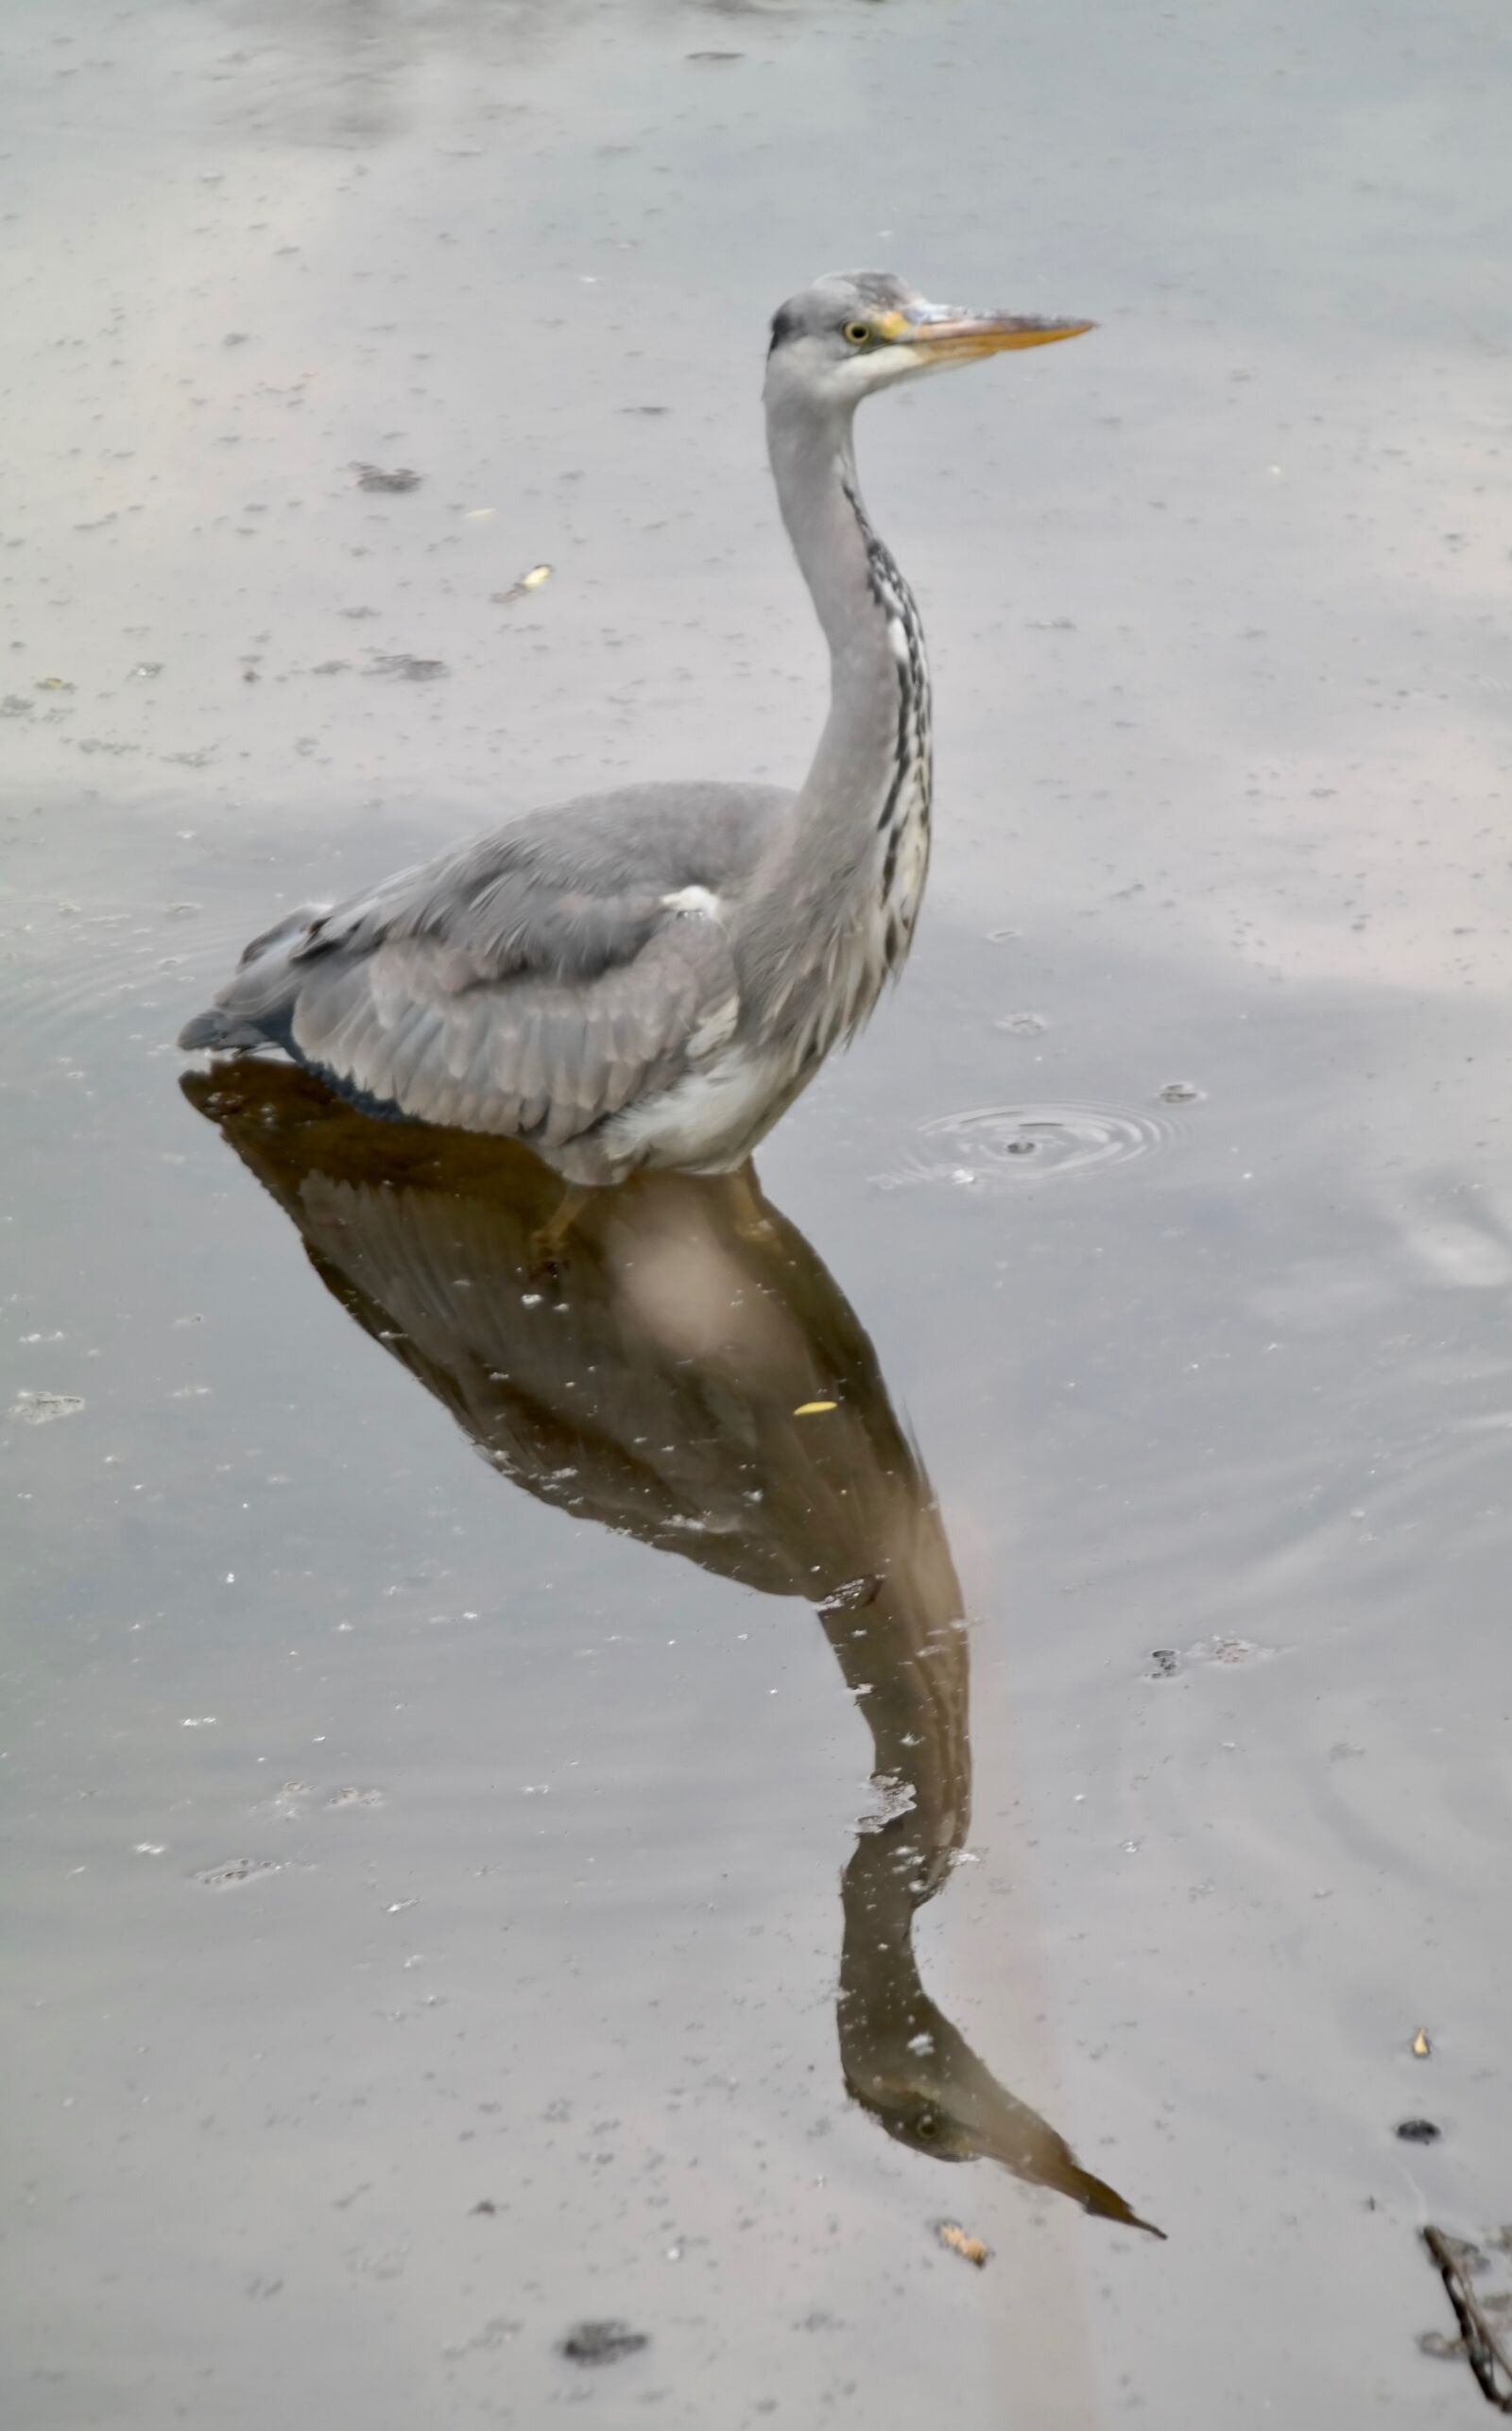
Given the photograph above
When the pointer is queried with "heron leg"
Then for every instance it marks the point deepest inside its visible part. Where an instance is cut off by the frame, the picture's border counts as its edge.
(752, 1222)
(547, 1238)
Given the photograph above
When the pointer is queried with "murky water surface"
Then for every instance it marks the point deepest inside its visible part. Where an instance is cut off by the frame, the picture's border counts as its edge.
(982, 1697)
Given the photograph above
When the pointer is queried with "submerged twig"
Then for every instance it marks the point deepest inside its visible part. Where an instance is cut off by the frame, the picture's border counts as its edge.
(1484, 2350)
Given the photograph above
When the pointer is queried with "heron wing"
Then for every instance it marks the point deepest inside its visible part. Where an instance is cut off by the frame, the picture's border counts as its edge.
(566, 893)
(411, 1022)
(544, 978)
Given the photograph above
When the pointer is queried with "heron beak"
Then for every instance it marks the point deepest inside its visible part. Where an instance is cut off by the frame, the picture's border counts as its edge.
(963, 337)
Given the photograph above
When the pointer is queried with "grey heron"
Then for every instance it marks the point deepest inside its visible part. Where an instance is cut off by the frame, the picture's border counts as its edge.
(649, 977)
(705, 1388)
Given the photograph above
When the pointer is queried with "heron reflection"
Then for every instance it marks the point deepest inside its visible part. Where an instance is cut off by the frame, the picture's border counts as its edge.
(666, 1385)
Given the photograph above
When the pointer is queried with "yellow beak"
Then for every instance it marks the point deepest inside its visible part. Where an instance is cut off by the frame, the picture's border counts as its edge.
(967, 335)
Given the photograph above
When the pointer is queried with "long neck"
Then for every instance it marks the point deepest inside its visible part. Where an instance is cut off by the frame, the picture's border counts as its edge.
(877, 667)
(872, 768)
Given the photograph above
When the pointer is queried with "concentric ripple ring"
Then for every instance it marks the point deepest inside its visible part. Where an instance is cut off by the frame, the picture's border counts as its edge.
(998, 1146)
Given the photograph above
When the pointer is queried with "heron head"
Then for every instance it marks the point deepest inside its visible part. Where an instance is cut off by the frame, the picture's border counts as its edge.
(854, 331)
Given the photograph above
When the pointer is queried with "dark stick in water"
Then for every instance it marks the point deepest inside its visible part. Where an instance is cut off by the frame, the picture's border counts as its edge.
(1484, 2352)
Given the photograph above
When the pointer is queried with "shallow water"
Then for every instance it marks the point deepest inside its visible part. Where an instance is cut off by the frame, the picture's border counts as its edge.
(452, 1900)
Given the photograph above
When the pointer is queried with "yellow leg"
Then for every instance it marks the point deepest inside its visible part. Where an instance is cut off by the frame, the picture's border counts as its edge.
(752, 1222)
(547, 1238)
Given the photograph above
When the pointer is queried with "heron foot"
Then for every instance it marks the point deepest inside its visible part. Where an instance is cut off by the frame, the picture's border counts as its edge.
(547, 1239)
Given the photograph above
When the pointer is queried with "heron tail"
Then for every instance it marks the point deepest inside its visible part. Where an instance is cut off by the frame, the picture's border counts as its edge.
(256, 1006)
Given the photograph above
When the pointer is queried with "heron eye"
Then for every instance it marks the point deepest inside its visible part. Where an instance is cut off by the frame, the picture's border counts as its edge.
(856, 332)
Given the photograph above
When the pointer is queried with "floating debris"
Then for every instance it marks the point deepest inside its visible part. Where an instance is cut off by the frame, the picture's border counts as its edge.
(602, 2342)
(409, 668)
(1418, 2132)
(495, 2332)
(956, 2239)
(1230, 1650)
(811, 1408)
(537, 575)
(1166, 1661)
(16, 705)
(237, 1870)
(891, 1797)
(1422, 2044)
(39, 1409)
(55, 683)
(1180, 1092)
(712, 59)
(373, 477)
(355, 1797)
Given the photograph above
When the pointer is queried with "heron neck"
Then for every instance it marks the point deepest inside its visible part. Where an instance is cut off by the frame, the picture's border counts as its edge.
(850, 577)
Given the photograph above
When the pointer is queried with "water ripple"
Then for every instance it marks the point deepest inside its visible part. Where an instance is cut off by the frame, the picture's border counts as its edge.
(998, 1146)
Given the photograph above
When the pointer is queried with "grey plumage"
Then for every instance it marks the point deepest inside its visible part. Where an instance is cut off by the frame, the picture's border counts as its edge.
(648, 977)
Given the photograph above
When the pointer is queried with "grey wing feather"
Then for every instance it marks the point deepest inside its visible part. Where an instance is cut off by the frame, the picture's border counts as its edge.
(400, 1024)
(532, 984)
(568, 891)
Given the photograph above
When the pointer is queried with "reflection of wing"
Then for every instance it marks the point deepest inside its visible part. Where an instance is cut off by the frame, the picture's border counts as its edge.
(655, 1387)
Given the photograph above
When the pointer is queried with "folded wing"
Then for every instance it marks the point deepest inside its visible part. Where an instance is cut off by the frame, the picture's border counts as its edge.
(409, 1021)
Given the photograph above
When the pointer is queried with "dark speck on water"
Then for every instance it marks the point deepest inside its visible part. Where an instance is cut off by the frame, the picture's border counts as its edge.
(602, 2342)
(373, 477)
(407, 667)
(1418, 2131)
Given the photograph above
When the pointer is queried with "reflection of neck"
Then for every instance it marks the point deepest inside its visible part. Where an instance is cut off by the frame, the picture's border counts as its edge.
(901, 2057)
(905, 1660)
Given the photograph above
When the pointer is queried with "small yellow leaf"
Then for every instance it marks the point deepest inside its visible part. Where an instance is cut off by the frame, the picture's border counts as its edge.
(1420, 2044)
(527, 582)
(809, 1408)
(951, 2233)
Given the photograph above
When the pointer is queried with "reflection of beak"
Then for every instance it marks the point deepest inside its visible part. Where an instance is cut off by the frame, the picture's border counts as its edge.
(962, 338)
(992, 2124)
